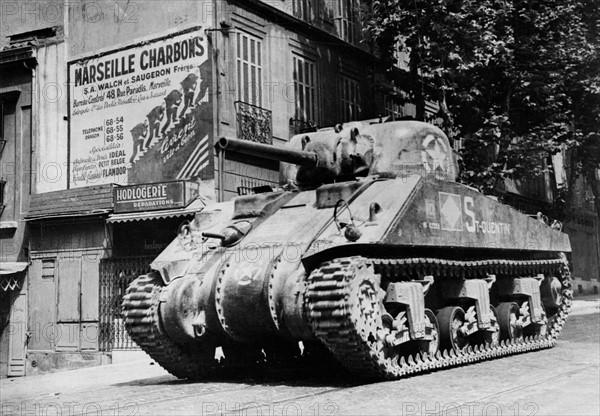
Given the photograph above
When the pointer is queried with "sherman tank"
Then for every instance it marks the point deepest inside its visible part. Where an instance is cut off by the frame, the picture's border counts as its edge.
(370, 253)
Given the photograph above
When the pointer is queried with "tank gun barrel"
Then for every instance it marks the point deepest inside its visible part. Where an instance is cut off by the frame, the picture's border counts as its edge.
(297, 157)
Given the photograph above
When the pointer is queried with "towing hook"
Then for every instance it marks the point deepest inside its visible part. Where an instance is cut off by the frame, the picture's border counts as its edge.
(199, 324)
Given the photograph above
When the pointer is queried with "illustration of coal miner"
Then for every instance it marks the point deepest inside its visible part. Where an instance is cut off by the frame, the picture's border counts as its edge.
(172, 101)
(155, 116)
(188, 85)
(138, 135)
(205, 76)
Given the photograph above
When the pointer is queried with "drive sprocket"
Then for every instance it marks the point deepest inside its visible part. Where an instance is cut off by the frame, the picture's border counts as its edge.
(142, 321)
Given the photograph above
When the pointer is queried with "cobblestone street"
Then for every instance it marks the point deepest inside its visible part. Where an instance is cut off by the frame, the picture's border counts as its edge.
(564, 380)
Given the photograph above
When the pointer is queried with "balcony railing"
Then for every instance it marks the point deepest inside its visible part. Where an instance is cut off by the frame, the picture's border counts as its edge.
(300, 126)
(254, 124)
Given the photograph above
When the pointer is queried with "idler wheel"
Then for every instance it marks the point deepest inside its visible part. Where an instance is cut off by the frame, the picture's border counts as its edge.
(451, 320)
(508, 319)
(551, 292)
(432, 346)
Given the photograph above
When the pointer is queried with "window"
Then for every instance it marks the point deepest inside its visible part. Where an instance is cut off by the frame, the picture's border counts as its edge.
(305, 90)
(249, 69)
(393, 109)
(1, 120)
(346, 21)
(48, 269)
(325, 11)
(2, 138)
(303, 10)
(2, 204)
(350, 99)
(2, 143)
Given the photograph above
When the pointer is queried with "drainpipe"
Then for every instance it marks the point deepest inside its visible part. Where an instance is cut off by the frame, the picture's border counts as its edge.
(217, 115)
(217, 103)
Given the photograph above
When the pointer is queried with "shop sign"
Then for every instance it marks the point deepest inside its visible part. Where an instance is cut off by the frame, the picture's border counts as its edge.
(154, 196)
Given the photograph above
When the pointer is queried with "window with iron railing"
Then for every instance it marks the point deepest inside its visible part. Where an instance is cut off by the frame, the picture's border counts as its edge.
(300, 126)
(249, 69)
(254, 123)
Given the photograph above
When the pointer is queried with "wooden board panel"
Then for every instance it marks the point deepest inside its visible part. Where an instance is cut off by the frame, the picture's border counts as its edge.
(16, 347)
(42, 308)
(96, 197)
(89, 336)
(89, 287)
(53, 237)
(69, 281)
(68, 337)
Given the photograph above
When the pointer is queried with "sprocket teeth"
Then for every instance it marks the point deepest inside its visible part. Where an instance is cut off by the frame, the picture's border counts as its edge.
(140, 305)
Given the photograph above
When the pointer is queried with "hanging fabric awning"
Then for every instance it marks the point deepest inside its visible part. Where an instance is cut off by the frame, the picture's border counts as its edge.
(151, 215)
(10, 267)
(188, 211)
(11, 277)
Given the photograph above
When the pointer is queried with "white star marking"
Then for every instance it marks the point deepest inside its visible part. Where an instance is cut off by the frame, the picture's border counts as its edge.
(438, 153)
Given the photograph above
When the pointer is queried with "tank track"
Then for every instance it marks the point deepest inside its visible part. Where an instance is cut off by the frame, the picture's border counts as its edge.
(142, 321)
(339, 319)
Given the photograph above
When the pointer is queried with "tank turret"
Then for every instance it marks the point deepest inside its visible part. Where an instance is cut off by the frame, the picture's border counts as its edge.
(356, 150)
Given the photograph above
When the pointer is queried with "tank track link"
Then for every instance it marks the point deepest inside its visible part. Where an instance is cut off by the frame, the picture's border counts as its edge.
(339, 316)
(142, 321)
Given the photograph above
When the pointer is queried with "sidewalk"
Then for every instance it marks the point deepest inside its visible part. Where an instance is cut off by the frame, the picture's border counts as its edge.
(585, 304)
(72, 381)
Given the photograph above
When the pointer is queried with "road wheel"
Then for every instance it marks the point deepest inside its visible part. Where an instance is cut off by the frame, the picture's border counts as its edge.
(451, 320)
(508, 319)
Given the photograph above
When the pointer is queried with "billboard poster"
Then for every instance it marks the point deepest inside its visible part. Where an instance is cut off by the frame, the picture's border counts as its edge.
(142, 113)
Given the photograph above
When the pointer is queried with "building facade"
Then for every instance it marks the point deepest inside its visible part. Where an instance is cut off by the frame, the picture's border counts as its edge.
(539, 196)
(126, 100)
(583, 227)
(17, 63)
